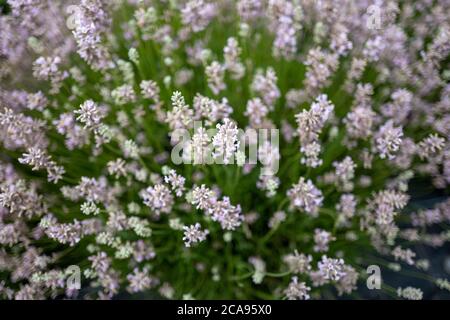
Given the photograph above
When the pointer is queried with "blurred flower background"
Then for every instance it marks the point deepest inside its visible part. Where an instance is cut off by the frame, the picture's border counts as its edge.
(110, 189)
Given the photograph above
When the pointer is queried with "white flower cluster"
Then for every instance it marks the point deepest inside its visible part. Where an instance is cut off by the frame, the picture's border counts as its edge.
(237, 149)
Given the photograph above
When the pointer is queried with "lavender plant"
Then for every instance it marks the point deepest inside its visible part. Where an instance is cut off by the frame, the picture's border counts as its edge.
(103, 164)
